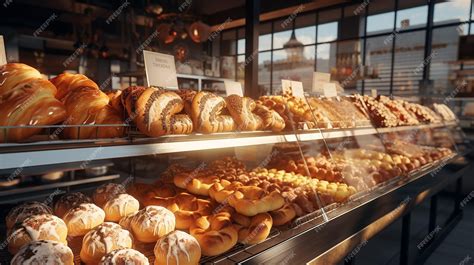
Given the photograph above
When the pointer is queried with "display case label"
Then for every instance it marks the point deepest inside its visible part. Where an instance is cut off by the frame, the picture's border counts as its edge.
(160, 70)
(295, 87)
(330, 90)
(373, 92)
(232, 87)
(3, 55)
(319, 79)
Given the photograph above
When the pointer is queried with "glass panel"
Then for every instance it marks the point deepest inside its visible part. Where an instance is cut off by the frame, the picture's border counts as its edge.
(380, 23)
(264, 66)
(265, 42)
(241, 46)
(378, 64)
(327, 32)
(348, 61)
(306, 35)
(409, 60)
(326, 57)
(451, 11)
(241, 68)
(280, 38)
(228, 43)
(412, 17)
(472, 29)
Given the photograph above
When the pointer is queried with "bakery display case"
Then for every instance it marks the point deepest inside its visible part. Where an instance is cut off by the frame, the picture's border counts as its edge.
(239, 180)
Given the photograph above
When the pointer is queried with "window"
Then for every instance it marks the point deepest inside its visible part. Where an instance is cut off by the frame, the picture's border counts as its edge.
(327, 32)
(378, 59)
(241, 46)
(280, 38)
(380, 23)
(264, 73)
(412, 18)
(264, 42)
(306, 35)
(451, 11)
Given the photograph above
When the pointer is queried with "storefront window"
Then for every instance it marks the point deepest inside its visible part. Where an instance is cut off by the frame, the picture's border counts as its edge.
(306, 35)
(378, 61)
(264, 73)
(451, 11)
(265, 42)
(280, 38)
(327, 32)
(380, 23)
(412, 18)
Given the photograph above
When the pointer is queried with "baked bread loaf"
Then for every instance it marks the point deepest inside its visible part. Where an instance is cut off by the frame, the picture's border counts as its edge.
(125, 256)
(151, 223)
(254, 230)
(69, 201)
(176, 248)
(37, 227)
(19, 213)
(26, 99)
(82, 218)
(44, 252)
(250, 201)
(102, 240)
(207, 116)
(215, 233)
(158, 113)
(107, 192)
(283, 215)
(120, 206)
(241, 109)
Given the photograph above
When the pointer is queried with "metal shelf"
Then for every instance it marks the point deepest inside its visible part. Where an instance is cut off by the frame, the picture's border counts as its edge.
(59, 152)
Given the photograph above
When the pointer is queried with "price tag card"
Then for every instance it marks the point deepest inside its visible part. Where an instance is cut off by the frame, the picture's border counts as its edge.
(3, 55)
(286, 86)
(319, 79)
(330, 90)
(297, 89)
(232, 87)
(160, 70)
(374, 92)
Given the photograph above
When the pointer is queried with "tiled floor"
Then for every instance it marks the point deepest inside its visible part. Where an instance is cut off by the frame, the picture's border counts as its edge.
(384, 249)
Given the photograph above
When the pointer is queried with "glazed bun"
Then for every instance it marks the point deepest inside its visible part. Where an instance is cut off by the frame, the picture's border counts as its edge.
(104, 239)
(176, 248)
(44, 252)
(82, 218)
(151, 223)
(37, 227)
(120, 206)
(69, 201)
(106, 192)
(125, 256)
(19, 213)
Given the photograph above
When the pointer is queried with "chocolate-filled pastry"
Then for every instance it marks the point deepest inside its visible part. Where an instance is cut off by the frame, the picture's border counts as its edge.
(206, 113)
(241, 109)
(158, 113)
(270, 118)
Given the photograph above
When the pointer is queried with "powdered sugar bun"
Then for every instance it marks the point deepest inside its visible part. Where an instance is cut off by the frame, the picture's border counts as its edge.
(104, 239)
(44, 252)
(124, 256)
(120, 206)
(106, 192)
(19, 213)
(82, 218)
(37, 227)
(69, 201)
(176, 248)
(151, 223)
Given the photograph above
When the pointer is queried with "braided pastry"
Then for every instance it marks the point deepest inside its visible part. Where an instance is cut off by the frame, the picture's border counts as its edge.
(206, 113)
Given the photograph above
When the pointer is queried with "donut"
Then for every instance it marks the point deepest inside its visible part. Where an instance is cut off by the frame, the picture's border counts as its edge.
(176, 248)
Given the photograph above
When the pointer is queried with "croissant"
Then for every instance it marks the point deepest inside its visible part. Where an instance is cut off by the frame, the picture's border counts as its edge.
(157, 113)
(206, 113)
(26, 99)
(86, 105)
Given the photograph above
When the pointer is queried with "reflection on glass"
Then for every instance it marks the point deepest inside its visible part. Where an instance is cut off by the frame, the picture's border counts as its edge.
(326, 57)
(241, 68)
(306, 35)
(412, 17)
(327, 32)
(241, 46)
(409, 60)
(451, 11)
(280, 38)
(378, 60)
(380, 23)
(348, 61)
(264, 42)
(264, 64)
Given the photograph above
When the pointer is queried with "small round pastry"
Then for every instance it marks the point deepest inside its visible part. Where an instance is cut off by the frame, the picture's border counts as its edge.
(69, 201)
(125, 256)
(104, 239)
(120, 206)
(37, 227)
(82, 218)
(176, 248)
(151, 223)
(215, 233)
(106, 192)
(44, 252)
(25, 210)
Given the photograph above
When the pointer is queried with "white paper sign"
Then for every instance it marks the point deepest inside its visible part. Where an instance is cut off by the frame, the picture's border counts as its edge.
(286, 86)
(232, 87)
(374, 92)
(293, 87)
(319, 79)
(160, 70)
(330, 90)
(3, 55)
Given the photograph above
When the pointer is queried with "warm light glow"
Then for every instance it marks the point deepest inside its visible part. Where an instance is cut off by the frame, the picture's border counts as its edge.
(195, 32)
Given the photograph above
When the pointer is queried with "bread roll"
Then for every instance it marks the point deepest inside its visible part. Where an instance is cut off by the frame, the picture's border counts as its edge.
(69, 201)
(107, 192)
(82, 218)
(44, 252)
(19, 213)
(151, 223)
(37, 227)
(126, 221)
(126, 256)
(177, 248)
(129, 99)
(206, 113)
(104, 239)
(120, 206)
(241, 109)
(257, 230)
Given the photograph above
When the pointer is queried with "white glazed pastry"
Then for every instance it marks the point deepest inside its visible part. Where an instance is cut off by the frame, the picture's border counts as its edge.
(151, 223)
(176, 248)
(120, 206)
(82, 218)
(125, 256)
(44, 252)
